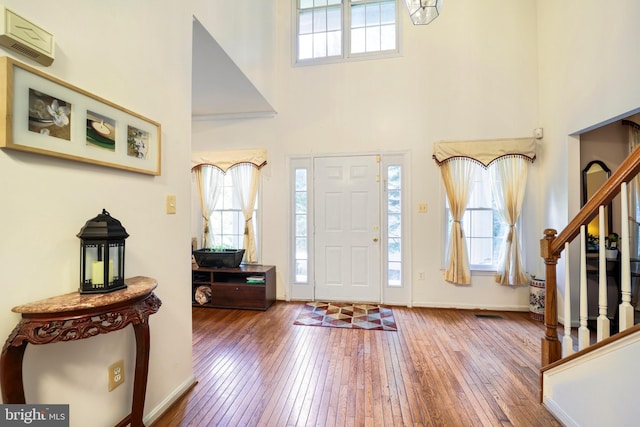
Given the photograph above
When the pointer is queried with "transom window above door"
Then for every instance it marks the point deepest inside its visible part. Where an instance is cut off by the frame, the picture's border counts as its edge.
(335, 30)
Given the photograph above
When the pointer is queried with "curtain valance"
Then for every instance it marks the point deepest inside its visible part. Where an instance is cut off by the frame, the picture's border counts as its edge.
(485, 151)
(224, 159)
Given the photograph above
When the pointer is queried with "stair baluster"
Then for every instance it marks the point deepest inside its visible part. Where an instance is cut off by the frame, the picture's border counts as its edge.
(567, 341)
(626, 309)
(603, 323)
(583, 330)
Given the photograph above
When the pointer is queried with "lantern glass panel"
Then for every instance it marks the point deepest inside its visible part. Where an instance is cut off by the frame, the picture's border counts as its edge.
(94, 265)
(116, 264)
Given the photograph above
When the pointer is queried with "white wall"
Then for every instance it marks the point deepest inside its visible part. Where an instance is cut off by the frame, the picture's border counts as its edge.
(588, 77)
(245, 30)
(471, 74)
(567, 387)
(138, 55)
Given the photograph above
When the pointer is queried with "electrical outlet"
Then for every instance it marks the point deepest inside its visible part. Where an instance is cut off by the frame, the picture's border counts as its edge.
(116, 374)
(420, 275)
(422, 208)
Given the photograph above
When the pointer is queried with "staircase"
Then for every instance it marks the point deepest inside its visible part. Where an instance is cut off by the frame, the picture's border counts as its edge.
(596, 384)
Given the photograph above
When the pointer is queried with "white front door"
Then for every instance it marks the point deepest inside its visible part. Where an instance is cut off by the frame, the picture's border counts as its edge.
(347, 228)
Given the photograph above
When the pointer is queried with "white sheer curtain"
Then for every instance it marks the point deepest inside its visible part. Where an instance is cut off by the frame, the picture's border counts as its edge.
(246, 180)
(209, 183)
(509, 181)
(457, 174)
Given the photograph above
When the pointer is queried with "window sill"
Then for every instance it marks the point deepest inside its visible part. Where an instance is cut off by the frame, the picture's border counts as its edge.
(483, 272)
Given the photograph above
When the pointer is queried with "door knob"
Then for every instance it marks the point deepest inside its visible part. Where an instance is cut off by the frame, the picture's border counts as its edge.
(375, 239)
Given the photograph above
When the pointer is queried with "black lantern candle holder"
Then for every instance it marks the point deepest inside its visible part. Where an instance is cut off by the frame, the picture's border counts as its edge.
(102, 255)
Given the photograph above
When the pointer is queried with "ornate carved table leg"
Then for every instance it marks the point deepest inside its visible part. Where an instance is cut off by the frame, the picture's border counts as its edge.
(11, 373)
(141, 331)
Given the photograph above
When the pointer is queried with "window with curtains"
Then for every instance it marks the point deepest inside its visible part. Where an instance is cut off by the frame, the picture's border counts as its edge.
(484, 229)
(481, 202)
(343, 29)
(227, 221)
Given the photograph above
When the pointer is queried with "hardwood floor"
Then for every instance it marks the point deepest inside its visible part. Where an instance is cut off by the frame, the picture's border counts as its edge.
(441, 368)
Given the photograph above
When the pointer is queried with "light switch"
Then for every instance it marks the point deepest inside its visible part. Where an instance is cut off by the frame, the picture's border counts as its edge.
(171, 204)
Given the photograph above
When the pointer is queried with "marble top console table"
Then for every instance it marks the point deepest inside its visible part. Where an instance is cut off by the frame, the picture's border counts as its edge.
(76, 316)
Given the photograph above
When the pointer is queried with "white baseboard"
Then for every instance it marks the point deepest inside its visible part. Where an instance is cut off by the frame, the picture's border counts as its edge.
(473, 306)
(560, 415)
(157, 412)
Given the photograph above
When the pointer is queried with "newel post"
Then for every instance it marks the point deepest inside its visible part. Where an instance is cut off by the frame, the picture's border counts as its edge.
(551, 347)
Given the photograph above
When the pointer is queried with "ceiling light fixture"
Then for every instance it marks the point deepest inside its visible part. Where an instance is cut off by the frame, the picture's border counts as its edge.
(422, 12)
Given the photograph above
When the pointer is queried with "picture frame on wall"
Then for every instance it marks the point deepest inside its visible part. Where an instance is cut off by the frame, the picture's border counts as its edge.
(42, 114)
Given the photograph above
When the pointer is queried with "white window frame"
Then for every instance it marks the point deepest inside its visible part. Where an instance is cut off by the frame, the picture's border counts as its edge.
(298, 290)
(402, 294)
(346, 54)
(301, 164)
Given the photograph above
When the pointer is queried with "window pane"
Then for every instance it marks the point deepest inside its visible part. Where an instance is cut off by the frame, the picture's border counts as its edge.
(393, 200)
(301, 248)
(373, 14)
(301, 271)
(301, 202)
(394, 273)
(394, 177)
(232, 241)
(357, 40)
(332, 2)
(395, 224)
(228, 220)
(373, 39)
(301, 225)
(334, 19)
(395, 249)
(388, 37)
(480, 251)
(305, 47)
(358, 16)
(481, 190)
(306, 3)
(317, 3)
(320, 45)
(301, 179)
(319, 20)
(388, 12)
(305, 22)
(334, 43)
(481, 223)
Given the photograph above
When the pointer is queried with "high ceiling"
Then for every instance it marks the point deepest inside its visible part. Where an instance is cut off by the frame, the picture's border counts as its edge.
(219, 88)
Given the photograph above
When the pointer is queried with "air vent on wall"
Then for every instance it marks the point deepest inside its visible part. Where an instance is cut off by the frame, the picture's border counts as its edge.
(26, 38)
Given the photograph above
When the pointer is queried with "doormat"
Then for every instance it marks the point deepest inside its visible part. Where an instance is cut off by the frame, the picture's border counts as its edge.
(347, 315)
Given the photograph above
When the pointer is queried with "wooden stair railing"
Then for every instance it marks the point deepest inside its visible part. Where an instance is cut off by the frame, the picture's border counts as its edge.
(552, 245)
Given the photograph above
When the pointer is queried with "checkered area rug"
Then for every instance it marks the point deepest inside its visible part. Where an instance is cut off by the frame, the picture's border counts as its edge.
(347, 315)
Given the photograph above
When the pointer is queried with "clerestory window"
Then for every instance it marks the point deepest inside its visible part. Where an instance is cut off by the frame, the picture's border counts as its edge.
(330, 30)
